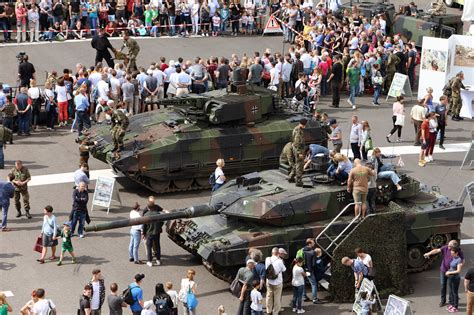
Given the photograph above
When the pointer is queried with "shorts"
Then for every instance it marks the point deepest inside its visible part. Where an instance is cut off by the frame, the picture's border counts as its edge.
(48, 241)
(359, 196)
(65, 247)
(151, 99)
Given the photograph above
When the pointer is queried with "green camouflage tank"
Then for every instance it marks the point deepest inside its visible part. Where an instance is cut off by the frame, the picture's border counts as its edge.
(262, 210)
(176, 148)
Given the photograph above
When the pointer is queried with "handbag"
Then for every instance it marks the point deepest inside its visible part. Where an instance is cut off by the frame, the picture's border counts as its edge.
(38, 245)
(400, 121)
(236, 287)
(369, 145)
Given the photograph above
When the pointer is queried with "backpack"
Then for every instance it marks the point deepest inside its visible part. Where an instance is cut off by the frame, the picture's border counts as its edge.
(161, 305)
(270, 272)
(212, 179)
(300, 254)
(447, 90)
(127, 296)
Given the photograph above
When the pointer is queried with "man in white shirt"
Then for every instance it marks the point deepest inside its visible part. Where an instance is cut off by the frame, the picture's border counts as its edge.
(306, 59)
(42, 306)
(356, 137)
(103, 88)
(274, 286)
(115, 86)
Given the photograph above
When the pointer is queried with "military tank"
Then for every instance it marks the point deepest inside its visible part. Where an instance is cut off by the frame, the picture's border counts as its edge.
(262, 210)
(176, 147)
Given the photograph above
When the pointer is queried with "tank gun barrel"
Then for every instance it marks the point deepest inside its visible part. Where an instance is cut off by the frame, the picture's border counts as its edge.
(186, 213)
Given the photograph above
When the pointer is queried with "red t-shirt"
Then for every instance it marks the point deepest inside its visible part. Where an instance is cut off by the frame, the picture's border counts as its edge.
(425, 126)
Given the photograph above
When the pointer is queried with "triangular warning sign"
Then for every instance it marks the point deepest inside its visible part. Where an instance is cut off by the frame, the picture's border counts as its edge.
(272, 26)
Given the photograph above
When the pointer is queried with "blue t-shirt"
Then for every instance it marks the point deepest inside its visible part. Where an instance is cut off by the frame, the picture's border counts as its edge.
(317, 149)
(137, 294)
(359, 266)
(453, 265)
(259, 272)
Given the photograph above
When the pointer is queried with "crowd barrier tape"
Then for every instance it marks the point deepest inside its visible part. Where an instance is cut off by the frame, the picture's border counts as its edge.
(27, 29)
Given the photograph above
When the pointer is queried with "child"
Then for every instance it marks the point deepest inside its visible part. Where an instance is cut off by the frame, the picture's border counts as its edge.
(66, 244)
(256, 298)
(4, 306)
(365, 303)
(245, 20)
(298, 285)
(250, 24)
(174, 297)
(216, 23)
(225, 13)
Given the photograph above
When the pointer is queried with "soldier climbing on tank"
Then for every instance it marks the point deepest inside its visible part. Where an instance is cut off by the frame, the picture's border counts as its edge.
(297, 141)
(119, 126)
(456, 102)
(133, 50)
(288, 158)
(84, 149)
(437, 8)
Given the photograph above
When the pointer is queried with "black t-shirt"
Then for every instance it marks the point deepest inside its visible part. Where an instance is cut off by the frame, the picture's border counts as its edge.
(470, 276)
(26, 71)
(84, 303)
(274, 7)
(401, 66)
(75, 6)
(2, 10)
(223, 73)
(337, 71)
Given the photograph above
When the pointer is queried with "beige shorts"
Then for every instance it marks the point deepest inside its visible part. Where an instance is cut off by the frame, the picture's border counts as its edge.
(359, 196)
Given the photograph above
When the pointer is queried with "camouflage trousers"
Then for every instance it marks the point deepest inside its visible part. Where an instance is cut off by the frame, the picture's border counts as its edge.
(456, 104)
(132, 64)
(299, 167)
(117, 135)
(26, 200)
(388, 80)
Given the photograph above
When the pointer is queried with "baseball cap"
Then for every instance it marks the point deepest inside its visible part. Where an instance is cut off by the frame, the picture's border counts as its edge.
(251, 261)
(68, 223)
(333, 121)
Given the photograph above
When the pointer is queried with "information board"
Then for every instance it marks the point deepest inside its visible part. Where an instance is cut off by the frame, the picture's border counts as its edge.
(468, 162)
(400, 86)
(104, 192)
(397, 306)
(366, 286)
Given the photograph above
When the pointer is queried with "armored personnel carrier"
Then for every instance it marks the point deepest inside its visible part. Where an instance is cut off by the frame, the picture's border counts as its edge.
(176, 148)
(262, 210)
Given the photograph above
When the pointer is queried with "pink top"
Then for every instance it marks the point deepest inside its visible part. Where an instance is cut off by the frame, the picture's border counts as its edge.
(21, 15)
(398, 109)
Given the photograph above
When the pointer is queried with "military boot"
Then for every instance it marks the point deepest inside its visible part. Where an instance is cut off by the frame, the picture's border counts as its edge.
(18, 213)
(28, 215)
(299, 183)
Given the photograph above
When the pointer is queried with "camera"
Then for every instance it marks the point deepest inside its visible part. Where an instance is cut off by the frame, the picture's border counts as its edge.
(21, 56)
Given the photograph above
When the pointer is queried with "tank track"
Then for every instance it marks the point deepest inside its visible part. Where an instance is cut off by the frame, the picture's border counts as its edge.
(171, 188)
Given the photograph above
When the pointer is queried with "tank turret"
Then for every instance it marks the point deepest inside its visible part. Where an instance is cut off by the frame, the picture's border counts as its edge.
(175, 148)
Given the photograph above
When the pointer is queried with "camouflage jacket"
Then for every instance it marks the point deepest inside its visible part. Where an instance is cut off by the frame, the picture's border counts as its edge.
(286, 152)
(298, 138)
(392, 62)
(133, 48)
(21, 175)
(119, 118)
(6, 135)
(456, 87)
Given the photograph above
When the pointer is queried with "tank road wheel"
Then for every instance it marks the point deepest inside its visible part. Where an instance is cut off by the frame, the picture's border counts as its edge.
(415, 256)
(449, 3)
(159, 186)
(183, 184)
(203, 182)
(439, 240)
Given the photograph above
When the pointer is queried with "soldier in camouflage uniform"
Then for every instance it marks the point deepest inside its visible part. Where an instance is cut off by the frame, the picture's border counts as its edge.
(22, 177)
(119, 126)
(84, 150)
(297, 141)
(133, 50)
(456, 102)
(287, 157)
(392, 63)
(6, 135)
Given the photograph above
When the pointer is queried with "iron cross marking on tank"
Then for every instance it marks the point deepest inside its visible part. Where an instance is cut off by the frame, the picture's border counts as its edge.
(341, 196)
(254, 109)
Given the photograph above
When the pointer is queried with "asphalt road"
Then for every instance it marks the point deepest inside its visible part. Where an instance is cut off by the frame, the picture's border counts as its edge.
(48, 153)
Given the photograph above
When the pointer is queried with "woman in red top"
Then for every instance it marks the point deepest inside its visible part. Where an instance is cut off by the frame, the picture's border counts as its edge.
(425, 138)
(21, 14)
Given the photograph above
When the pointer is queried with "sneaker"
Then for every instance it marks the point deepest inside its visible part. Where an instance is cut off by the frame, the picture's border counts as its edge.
(453, 310)
(59, 263)
(421, 163)
(388, 139)
(149, 264)
(431, 158)
(301, 311)
(294, 310)
(427, 159)
(449, 307)
(350, 102)
(399, 140)
(130, 259)
(442, 147)
(317, 301)
(81, 235)
(158, 263)
(74, 261)
(354, 107)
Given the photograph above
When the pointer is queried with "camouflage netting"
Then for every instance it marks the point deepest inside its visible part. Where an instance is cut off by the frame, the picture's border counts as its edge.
(383, 237)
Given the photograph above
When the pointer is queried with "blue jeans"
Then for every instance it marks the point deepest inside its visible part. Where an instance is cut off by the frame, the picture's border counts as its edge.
(307, 71)
(444, 284)
(314, 285)
(134, 244)
(24, 122)
(78, 216)
(2, 157)
(377, 90)
(93, 24)
(4, 28)
(387, 167)
(389, 175)
(331, 170)
(353, 92)
(216, 187)
(252, 312)
(83, 120)
(454, 290)
(297, 296)
(172, 25)
(223, 26)
(5, 207)
(73, 20)
(342, 175)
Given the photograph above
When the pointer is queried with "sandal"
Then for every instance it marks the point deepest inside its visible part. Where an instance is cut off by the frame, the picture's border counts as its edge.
(41, 261)
(52, 258)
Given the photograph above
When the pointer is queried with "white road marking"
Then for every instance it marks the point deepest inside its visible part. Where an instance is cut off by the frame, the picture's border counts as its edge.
(63, 178)
(467, 242)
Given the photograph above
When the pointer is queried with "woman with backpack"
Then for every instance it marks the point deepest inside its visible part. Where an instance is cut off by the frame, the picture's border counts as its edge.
(162, 300)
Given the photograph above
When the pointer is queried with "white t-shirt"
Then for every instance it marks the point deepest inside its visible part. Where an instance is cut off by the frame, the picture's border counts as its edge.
(42, 307)
(95, 299)
(34, 92)
(95, 77)
(160, 76)
(174, 297)
(217, 173)
(48, 93)
(276, 76)
(306, 60)
(298, 279)
(115, 85)
(256, 298)
(103, 90)
(133, 215)
(186, 286)
(367, 260)
(279, 268)
(61, 92)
